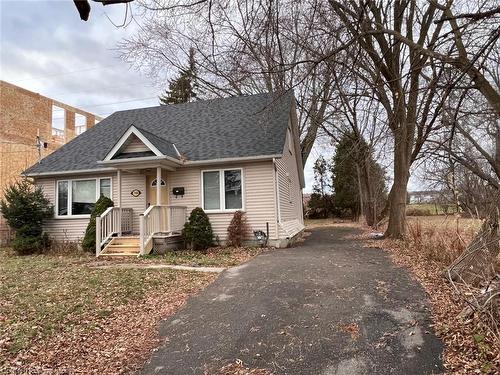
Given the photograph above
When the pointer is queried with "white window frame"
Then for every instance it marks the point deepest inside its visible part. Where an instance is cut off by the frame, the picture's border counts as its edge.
(222, 196)
(70, 195)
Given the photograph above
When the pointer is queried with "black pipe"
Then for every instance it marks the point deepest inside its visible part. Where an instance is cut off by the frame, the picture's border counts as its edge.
(267, 232)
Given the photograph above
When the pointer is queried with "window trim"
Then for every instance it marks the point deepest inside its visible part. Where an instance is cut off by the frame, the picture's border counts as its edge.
(290, 140)
(222, 196)
(70, 194)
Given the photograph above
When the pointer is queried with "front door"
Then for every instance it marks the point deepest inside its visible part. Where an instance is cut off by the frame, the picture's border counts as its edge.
(151, 191)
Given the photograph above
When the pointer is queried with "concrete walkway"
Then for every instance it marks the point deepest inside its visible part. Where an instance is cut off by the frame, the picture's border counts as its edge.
(159, 266)
(328, 306)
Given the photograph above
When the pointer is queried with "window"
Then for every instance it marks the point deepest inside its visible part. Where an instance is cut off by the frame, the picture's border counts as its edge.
(80, 123)
(62, 198)
(77, 197)
(58, 122)
(154, 182)
(211, 190)
(222, 190)
(105, 187)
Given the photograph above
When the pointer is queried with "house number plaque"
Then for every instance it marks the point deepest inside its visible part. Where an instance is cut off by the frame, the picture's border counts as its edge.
(135, 192)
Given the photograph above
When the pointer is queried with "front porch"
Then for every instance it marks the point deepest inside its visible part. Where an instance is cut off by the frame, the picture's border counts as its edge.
(159, 223)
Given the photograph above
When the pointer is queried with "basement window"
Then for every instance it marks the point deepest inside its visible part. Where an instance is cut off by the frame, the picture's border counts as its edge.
(222, 190)
(77, 197)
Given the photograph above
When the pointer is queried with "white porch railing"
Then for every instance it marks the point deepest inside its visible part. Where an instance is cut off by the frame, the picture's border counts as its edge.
(113, 221)
(157, 219)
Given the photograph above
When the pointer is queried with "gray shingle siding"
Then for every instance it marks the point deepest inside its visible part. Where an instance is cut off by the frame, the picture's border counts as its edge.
(242, 126)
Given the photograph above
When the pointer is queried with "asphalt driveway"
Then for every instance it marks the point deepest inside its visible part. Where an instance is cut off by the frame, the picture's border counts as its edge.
(326, 306)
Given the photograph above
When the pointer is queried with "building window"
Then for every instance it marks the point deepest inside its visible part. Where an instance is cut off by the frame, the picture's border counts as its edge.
(62, 198)
(58, 123)
(105, 187)
(80, 123)
(78, 197)
(154, 182)
(222, 190)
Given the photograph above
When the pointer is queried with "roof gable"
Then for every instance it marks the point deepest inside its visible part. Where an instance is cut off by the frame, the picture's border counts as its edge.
(132, 142)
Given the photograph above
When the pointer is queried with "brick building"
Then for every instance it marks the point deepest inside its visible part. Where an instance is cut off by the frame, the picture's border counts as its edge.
(24, 115)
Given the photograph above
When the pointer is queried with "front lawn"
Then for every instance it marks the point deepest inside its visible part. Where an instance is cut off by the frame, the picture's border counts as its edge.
(59, 315)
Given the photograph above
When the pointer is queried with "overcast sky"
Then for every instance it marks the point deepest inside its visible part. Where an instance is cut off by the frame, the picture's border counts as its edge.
(46, 48)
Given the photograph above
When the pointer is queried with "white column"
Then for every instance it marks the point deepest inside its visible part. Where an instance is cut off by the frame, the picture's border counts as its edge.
(158, 186)
(119, 200)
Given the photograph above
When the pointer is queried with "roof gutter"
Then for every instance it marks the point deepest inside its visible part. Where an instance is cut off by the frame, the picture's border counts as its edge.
(61, 173)
(151, 159)
(231, 160)
(139, 160)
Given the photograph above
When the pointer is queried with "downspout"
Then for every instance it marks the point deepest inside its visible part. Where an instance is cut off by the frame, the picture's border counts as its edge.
(276, 199)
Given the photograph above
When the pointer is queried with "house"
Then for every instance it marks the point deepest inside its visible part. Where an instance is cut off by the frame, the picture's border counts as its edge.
(27, 119)
(158, 163)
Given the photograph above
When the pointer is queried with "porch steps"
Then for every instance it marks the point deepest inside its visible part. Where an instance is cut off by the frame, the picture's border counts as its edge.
(122, 246)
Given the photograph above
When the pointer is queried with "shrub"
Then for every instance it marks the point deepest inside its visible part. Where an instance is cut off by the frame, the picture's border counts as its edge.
(237, 229)
(25, 208)
(102, 204)
(197, 232)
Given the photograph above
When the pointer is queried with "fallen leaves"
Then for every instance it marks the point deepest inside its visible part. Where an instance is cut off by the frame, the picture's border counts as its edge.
(469, 347)
(238, 368)
(59, 316)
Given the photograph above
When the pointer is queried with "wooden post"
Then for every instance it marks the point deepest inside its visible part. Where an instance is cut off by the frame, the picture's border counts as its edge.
(141, 233)
(97, 235)
(119, 201)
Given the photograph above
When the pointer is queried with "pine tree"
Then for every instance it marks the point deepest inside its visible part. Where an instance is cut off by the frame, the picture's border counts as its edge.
(183, 88)
(25, 208)
(353, 164)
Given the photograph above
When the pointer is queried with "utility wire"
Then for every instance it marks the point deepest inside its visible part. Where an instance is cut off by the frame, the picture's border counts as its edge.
(65, 73)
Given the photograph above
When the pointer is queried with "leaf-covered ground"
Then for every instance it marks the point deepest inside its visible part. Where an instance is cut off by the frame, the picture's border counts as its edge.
(470, 348)
(212, 257)
(60, 316)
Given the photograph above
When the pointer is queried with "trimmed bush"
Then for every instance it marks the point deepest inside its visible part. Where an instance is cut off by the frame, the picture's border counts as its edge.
(102, 204)
(237, 229)
(197, 232)
(25, 208)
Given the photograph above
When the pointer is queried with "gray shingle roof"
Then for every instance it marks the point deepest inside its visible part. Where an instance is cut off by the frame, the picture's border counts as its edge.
(242, 126)
(163, 145)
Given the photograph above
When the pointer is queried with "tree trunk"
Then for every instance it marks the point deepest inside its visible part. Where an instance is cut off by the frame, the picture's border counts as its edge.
(397, 198)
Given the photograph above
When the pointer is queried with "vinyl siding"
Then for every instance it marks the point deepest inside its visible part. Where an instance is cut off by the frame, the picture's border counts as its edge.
(258, 196)
(134, 144)
(258, 199)
(289, 192)
(67, 229)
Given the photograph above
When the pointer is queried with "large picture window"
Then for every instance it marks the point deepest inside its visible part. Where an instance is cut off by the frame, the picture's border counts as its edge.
(78, 197)
(222, 190)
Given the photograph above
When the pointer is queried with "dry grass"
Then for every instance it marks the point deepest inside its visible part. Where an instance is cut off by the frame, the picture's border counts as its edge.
(440, 238)
(57, 314)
